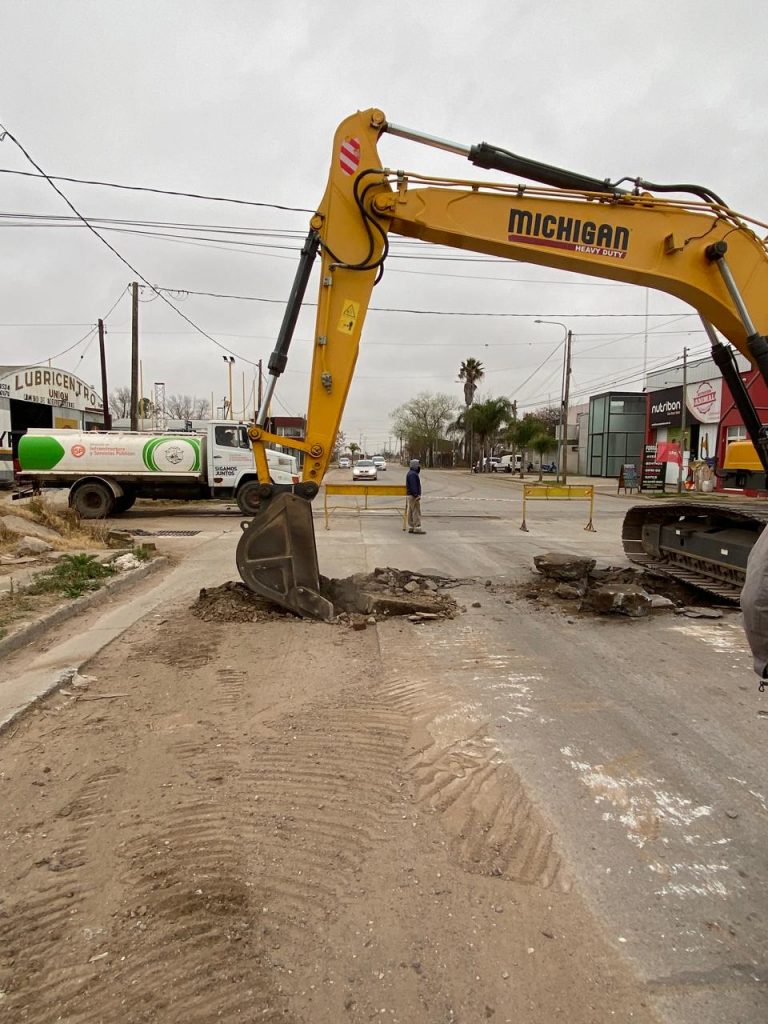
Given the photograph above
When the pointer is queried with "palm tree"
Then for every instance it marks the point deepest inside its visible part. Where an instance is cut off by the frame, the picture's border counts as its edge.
(471, 372)
(353, 448)
(486, 419)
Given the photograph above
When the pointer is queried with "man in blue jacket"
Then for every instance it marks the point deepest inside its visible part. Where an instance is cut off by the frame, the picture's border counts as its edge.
(413, 500)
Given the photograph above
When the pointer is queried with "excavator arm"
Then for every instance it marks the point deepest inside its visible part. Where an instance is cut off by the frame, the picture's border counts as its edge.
(696, 249)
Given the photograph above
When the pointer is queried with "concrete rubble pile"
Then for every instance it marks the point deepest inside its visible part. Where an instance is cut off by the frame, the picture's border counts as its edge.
(578, 584)
(358, 600)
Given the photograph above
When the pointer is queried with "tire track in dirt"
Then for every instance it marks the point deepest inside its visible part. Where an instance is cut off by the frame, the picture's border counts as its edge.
(321, 801)
(178, 885)
(460, 775)
(29, 925)
(190, 892)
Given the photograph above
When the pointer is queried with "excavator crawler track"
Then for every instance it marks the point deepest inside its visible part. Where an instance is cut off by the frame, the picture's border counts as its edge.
(718, 577)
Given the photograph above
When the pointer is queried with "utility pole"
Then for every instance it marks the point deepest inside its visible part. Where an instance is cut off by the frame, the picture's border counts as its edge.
(259, 385)
(104, 390)
(683, 423)
(564, 413)
(135, 356)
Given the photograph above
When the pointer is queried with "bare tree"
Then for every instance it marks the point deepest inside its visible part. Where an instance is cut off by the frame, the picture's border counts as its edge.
(549, 415)
(120, 403)
(180, 407)
(340, 445)
(202, 409)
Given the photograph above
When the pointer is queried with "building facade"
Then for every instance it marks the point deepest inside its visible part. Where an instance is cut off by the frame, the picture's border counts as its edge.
(42, 396)
(616, 431)
(712, 420)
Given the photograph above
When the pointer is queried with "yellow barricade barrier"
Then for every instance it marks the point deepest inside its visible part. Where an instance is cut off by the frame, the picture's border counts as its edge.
(560, 492)
(365, 491)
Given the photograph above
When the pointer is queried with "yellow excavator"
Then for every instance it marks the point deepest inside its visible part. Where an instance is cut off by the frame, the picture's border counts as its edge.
(689, 244)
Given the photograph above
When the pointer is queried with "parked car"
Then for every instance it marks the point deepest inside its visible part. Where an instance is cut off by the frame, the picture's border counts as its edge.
(380, 461)
(344, 463)
(364, 469)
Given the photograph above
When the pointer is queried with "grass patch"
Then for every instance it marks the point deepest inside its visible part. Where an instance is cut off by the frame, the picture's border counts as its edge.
(13, 608)
(72, 576)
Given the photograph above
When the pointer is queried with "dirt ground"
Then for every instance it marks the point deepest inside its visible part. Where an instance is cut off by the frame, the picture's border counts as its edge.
(266, 822)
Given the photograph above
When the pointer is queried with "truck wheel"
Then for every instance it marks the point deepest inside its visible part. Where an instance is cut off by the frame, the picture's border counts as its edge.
(249, 498)
(127, 501)
(93, 500)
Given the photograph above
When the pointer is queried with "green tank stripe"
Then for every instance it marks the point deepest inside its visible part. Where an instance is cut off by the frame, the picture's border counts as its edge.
(39, 452)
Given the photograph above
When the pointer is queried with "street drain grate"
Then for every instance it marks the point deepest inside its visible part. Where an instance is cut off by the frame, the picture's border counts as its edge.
(176, 533)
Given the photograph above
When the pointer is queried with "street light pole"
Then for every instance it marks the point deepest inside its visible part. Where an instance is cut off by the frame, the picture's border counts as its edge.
(229, 360)
(564, 407)
(562, 447)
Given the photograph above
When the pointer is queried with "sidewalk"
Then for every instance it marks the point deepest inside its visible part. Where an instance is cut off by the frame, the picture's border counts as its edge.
(212, 563)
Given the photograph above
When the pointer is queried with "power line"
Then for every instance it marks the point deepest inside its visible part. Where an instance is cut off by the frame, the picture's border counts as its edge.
(419, 312)
(49, 359)
(144, 188)
(91, 334)
(112, 249)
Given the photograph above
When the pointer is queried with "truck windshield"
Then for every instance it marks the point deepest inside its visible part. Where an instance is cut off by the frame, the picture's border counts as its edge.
(231, 437)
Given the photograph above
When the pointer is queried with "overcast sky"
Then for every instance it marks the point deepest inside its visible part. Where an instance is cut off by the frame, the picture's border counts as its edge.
(241, 99)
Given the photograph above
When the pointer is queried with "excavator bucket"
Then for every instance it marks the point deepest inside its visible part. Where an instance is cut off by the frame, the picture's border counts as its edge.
(277, 557)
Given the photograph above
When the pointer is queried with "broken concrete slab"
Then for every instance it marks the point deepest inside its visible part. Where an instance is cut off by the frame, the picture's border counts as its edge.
(27, 528)
(571, 591)
(31, 546)
(697, 612)
(621, 600)
(563, 567)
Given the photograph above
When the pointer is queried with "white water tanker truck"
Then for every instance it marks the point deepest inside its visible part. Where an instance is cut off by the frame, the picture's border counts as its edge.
(107, 471)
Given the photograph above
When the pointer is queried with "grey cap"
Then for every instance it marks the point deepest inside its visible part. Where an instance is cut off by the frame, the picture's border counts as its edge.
(414, 464)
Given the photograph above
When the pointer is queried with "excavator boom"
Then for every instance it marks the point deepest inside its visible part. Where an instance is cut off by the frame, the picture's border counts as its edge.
(696, 249)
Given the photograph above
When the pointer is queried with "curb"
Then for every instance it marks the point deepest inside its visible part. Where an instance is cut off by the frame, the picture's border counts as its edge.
(27, 634)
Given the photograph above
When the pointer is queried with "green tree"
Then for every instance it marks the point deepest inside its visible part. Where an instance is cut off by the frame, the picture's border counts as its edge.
(422, 421)
(354, 448)
(541, 444)
(471, 372)
(520, 435)
(486, 420)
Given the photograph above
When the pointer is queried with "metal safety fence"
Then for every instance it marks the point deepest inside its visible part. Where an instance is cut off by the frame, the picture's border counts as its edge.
(366, 492)
(560, 492)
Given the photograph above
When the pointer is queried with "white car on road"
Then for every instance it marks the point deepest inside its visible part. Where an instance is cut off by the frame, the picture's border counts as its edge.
(380, 461)
(364, 469)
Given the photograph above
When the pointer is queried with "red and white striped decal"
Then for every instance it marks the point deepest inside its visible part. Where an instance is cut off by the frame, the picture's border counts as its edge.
(349, 156)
